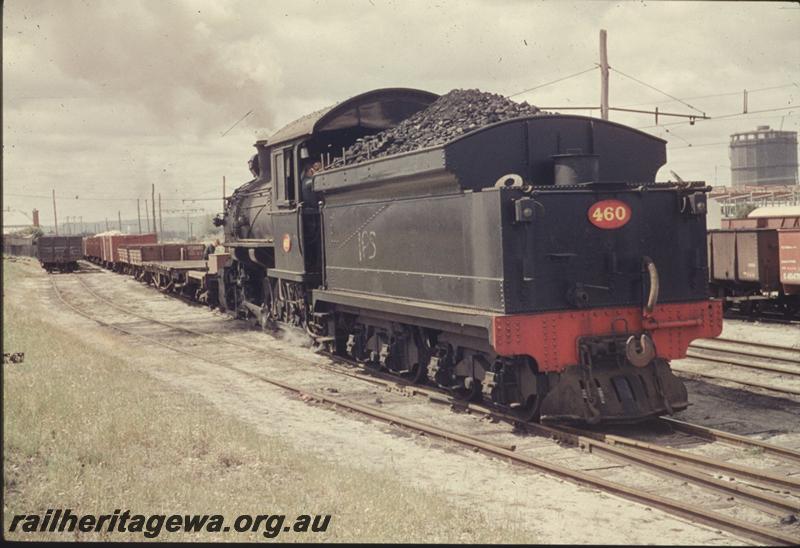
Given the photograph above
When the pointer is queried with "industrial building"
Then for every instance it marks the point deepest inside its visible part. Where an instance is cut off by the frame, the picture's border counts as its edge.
(764, 157)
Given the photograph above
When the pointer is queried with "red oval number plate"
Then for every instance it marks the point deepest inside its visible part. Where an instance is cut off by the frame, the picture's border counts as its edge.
(287, 243)
(609, 214)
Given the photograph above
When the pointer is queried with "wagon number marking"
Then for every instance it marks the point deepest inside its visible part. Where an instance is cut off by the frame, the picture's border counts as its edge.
(367, 248)
(609, 214)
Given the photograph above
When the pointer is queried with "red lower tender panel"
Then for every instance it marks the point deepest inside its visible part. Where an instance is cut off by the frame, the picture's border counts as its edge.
(551, 338)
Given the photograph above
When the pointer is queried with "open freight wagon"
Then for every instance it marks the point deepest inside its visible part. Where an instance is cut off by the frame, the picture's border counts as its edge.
(59, 253)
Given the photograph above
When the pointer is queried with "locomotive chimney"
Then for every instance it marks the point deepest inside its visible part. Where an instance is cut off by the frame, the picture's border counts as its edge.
(575, 167)
(36, 217)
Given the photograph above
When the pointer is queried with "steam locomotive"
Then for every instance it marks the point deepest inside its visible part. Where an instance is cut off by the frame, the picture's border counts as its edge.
(532, 263)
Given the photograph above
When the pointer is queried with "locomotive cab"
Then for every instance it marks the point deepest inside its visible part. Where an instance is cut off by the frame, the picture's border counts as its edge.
(272, 223)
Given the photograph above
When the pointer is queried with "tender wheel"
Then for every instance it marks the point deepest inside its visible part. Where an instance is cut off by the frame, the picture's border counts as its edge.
(529, 411)
(417, 375)
(467, 389)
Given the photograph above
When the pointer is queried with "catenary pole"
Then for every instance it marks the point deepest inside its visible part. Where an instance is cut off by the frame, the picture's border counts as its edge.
(603, 76)
(55, 216)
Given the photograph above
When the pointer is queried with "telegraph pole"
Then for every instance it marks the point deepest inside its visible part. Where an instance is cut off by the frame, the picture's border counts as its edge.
(153, 200)
(223, 193)
(55, 216)
(147, 215)
(187, 211)
(119, 219)
(139, 215)
(160, 220)
(603, 76)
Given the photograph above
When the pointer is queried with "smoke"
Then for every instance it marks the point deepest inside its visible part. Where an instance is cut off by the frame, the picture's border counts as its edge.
(186, 63)
(294, 336)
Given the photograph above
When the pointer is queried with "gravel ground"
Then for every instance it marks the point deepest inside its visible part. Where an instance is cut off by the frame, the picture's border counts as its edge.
(504, 492)
(782, 334)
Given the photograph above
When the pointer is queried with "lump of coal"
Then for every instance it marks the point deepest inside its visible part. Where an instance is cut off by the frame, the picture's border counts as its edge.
(451, 115)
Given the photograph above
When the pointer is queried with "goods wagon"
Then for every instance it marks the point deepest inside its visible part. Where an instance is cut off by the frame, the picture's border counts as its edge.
(138, 254)
(789, 260)
(754, 270)
(93, 248)
(59, 252)
(132, 257)
(110, 243)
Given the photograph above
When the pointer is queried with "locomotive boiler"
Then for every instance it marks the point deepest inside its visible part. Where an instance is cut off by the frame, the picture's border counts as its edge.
(532, 262)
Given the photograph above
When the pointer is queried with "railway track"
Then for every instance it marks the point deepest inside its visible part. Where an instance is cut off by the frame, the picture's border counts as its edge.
(756, 488)
(781, 364)
(763, 317)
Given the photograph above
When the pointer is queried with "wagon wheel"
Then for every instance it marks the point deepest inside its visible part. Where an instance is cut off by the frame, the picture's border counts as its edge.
(790, 310)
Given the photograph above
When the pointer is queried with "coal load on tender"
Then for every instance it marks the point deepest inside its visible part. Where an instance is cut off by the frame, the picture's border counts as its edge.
(451, 115)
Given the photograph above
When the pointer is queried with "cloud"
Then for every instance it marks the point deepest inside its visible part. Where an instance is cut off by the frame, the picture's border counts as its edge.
(112, 96)
(166, 56)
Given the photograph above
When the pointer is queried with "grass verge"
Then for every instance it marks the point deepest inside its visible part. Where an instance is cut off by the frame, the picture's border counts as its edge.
(87, 430)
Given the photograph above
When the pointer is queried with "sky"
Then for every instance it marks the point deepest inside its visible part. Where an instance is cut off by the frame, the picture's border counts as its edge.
(102, 99)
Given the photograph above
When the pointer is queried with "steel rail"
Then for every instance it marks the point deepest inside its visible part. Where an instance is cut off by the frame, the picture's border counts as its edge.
(728, 350)
(752, 343)
(785, 390)
(381, 379)
(700, 460)
(366, 378)
(702, 343)
(729, 437)
(763, 317)
(733, 361)
(765, 502)
(680, 508)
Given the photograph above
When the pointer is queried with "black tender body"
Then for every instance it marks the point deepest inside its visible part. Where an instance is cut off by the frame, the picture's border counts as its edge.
(432, 226)
(404, 260)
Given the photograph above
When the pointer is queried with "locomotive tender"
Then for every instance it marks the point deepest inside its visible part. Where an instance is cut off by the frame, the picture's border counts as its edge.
(532, 262)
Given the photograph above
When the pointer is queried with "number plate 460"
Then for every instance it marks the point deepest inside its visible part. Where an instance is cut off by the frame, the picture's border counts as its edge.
(609, 214)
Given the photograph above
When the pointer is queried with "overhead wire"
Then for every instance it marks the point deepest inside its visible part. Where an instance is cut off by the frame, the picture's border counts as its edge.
(749, 91)
(95, 198)
(552, 82)
(721, 117)
(656, 89)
